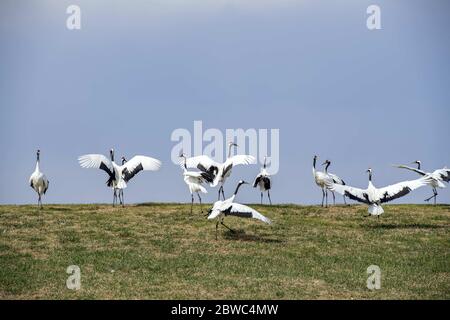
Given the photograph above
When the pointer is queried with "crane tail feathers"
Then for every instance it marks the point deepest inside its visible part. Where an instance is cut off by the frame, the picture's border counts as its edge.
(375, 210)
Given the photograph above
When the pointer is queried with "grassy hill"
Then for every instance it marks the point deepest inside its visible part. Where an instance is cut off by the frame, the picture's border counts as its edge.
(161, 251)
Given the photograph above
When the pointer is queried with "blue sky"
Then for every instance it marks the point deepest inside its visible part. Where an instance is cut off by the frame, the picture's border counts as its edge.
(134, 73)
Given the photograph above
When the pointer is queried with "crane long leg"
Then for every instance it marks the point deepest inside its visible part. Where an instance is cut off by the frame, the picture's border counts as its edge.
(326, 198)
(433, 196)
(122, 201)
(261, 197)
(114, 197)
(192, 201)
(323, 196)
(345, 202)
(223, 194)
(221, 222)
(217, 226)
(200, 200)
(218, 198)
(268, 194)
(334, 198)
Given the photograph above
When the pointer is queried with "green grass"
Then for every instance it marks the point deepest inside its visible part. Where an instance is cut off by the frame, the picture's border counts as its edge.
(161, 251)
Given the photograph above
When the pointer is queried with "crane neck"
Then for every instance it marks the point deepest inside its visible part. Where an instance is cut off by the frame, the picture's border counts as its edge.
(38, 160)
(418, 166)
(370, 176)
(237, 189)
(229, 150)
(326, 167)
(314, 163)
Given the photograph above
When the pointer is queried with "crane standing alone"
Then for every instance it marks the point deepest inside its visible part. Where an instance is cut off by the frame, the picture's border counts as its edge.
(38, 181)
(263, 181)
(335, 179)
(322, 180)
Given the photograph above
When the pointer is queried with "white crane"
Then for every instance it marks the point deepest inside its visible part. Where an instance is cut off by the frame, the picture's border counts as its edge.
(438, 177)
(38, 181)
(220, 171)
(335, 179)
(194, 181)
(322, 179)
(119, 175)
(374, 197)
(263, 181)
(227, 207)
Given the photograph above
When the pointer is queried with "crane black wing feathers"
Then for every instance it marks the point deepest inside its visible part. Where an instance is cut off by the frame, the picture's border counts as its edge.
(208, 174)
(401, 193)
(228, 212)
(257, 180)
(128, 175)
(111, 174)
(356, 198)
(105, 168)
(46, 188)
(228, 168)
(266, 182)
(446, 177)
(343, 182)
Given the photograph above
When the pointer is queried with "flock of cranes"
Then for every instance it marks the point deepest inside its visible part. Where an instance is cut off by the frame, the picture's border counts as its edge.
(215, 174)
(374, 197)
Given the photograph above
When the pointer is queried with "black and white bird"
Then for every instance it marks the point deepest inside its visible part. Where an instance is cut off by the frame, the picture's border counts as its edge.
(220, 171)
(335, 179)
(375, 197)
(194, 181)
(227, 207)
(438, 176)
(323, 180)
(119, 175)
(38, 181)
(263, 181)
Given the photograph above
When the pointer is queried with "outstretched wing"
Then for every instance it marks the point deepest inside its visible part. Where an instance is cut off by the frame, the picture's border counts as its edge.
(240, 159)
(201, 162)
(138, 164)
(401, 189)
(355, 194)
(237, 160)
(443, 173)
(97, 161)
(422, 173)
(243, 211)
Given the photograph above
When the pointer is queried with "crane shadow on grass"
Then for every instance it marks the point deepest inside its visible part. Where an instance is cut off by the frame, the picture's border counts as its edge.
(240, 235)
(405, 226)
